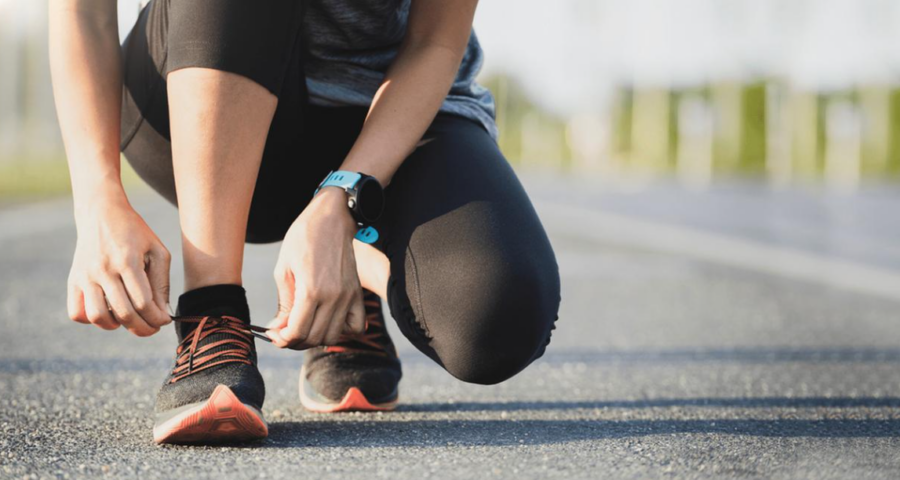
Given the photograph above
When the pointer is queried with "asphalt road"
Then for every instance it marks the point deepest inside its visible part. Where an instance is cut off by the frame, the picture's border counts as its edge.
(739, 333)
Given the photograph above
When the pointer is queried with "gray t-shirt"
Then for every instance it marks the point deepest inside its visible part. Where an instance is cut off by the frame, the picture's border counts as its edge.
(351, 44)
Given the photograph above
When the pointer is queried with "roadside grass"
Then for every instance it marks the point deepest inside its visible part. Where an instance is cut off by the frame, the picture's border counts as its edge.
(31, 179)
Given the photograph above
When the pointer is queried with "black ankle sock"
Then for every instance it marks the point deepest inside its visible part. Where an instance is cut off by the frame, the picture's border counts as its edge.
(214, 300)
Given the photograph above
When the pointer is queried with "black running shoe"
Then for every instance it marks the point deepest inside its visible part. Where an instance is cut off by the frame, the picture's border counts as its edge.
(214, 393)
(360, 373)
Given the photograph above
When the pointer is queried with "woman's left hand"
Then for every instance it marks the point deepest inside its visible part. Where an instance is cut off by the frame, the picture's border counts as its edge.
(319, 294)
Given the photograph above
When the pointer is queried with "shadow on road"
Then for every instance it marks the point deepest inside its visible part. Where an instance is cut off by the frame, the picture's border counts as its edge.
(759, 402)
(733, 355)
(371, 434)
(752, 355)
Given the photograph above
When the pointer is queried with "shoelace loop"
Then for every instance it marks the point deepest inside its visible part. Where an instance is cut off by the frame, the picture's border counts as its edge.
(238, 335)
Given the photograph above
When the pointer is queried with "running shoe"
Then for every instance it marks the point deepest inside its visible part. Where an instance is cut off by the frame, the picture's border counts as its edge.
(214, 393)
(360, 373)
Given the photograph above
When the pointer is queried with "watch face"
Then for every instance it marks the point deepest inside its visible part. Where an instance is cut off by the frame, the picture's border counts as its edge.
(369, 199)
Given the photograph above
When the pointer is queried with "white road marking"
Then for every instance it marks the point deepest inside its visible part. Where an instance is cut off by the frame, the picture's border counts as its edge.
(609, 228)
(735, 252)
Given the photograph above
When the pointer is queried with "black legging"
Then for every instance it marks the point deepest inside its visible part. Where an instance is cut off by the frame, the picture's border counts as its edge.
(474, 282)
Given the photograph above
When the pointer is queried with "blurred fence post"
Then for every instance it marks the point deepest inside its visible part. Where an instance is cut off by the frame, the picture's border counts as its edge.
(779, 166)
(650, 130)
(10, 80)
(875, 105)
(893, 160)
(726, 98)
(805, 132)
(621, 114)
(753, 115)
(588, 136)
(695, 142)
(843, 148)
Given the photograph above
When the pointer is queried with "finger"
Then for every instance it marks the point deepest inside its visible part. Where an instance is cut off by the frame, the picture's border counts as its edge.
(96, 308)
(296, 332)
(284, 282)
(335, 329)
(320, 324)
(157, 267)
(338, 323)
(356, 316)
(123, 310)
(75, 304)
(137, 287)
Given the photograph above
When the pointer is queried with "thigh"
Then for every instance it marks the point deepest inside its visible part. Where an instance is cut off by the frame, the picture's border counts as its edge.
(259, 40)
(299, 153)
(145, 139)
(473, 276)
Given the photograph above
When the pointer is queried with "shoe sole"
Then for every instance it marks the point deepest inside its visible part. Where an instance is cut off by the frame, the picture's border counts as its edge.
(353, 401)
(223, 418)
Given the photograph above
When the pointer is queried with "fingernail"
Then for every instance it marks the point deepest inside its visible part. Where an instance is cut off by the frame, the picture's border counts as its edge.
(272, 323)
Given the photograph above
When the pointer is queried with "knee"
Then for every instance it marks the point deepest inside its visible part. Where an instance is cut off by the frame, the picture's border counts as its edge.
(504, 326)
(490, 363)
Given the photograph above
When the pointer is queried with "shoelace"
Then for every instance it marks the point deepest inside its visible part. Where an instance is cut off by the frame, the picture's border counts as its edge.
(191, 359)
(372, 339)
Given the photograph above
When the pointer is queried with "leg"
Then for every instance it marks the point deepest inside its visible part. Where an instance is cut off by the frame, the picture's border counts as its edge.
(219, 125)
(474, 282)
(263, 54)
(213, 67)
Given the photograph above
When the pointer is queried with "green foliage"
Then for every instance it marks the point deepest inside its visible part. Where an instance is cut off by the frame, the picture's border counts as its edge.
(31, 178)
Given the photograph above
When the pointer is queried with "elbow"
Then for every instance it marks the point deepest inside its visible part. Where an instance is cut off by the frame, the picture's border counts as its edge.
(427, 45)
(93, 17)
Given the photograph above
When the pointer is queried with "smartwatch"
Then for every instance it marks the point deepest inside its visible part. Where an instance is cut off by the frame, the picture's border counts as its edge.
(365, 198)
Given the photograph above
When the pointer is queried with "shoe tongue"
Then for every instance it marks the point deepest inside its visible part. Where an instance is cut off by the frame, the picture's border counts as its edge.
(212, 301)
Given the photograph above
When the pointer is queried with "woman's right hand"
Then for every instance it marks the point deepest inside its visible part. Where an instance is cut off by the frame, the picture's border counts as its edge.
(120, 273)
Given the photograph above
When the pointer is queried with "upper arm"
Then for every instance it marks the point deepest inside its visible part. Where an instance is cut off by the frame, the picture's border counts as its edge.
(444, 23)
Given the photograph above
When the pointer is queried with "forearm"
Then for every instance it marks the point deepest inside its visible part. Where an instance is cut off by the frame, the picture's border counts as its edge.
(85, 62)
(406, 103)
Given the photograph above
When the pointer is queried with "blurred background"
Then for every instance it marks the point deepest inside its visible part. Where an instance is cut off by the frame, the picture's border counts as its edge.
(779, 91)
(720, 181)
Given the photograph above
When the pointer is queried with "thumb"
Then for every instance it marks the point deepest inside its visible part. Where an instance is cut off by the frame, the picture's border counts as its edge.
(75, 304)
(284, 282)
(157, 265)
(356, 316)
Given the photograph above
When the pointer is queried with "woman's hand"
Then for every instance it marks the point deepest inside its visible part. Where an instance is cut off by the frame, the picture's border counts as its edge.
(319, 295)
(120, 273)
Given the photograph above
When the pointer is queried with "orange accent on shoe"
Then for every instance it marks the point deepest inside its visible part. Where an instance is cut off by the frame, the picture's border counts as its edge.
(223, 418)
(353, 401)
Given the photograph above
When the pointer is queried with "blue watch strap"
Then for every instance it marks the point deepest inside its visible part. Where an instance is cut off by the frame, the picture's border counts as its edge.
(339, 178)
(367, 235)
(347, 180)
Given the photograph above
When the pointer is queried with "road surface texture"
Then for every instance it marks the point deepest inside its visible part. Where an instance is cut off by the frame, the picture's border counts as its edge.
(738, 333)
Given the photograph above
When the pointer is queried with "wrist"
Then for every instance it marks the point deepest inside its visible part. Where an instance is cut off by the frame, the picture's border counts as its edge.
(355, 164)
(97, 188)
(90, 201)
(332, 202)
